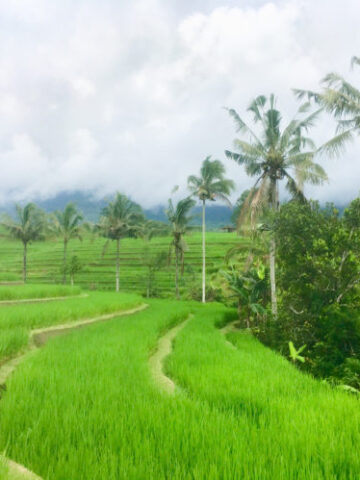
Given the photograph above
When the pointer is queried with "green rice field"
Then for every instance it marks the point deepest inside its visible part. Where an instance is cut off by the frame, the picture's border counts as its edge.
(24, 292)
(86, 406)
(98, 273)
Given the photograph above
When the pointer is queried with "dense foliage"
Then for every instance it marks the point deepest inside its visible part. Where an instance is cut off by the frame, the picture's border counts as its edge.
(318, 277)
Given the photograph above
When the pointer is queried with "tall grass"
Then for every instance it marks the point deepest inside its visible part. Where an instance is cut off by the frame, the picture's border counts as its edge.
(86, 407)
(293, 426)
(20, 292)
(16, 321)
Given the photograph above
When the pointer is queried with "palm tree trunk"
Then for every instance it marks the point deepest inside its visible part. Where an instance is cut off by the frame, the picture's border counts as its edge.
(203, 254)
(25, 263)
(177, 274)
(117, 264)
(148, 284)
(64, 262)
(273, 253)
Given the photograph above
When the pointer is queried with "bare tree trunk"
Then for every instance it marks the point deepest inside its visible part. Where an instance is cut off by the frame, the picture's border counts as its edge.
(25, 263)
(117, 264)
(177, 274)
(72, 279)
(64, 262)
(203, 254)
(273, 253)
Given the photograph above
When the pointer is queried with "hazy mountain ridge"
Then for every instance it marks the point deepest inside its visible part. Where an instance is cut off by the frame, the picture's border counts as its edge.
(216, 215)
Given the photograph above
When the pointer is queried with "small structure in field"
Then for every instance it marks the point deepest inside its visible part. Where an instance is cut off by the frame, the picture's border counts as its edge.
(228, 228)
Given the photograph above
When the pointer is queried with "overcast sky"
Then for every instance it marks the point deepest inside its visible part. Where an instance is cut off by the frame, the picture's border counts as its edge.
(108, 95)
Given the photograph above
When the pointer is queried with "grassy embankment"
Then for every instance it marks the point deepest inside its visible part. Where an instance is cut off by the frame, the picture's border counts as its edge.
(85, 406)
(17, 321)
(45, 260)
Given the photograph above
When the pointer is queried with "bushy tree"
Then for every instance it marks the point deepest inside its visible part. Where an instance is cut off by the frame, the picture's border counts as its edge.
(318, 279)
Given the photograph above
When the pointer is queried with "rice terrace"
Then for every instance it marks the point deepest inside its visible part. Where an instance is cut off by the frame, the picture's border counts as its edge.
(179, 246)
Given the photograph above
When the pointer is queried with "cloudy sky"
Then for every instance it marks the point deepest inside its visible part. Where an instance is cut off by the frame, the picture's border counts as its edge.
(106, 95)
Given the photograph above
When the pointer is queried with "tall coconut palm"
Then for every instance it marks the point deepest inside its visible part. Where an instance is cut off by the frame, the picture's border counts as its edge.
(120, 218)
(274, 155)
(67, 225)
(28, 227)
(179, 219)
(341, 99)
(210, 185)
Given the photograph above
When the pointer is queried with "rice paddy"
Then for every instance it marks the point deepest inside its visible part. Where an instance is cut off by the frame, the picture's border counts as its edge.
(28, 292)
(98, 270)
(87, 405)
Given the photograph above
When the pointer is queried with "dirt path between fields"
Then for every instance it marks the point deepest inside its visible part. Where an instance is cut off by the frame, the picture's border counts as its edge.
(230, 327)
(17, 471)
(40, 336)
(37, 339)
(40, 300)
(163, 349)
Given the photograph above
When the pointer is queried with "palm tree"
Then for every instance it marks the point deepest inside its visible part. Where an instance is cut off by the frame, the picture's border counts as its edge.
(272, 156)
(210, 185)
(341, 99)
(179, 220)
(66, 224)
(28, 228)
(120, 218)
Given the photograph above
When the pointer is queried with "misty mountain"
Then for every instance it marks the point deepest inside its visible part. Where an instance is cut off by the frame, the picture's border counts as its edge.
(91, 207)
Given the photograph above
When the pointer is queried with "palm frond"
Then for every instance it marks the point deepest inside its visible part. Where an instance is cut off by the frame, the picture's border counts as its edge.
(336, 145)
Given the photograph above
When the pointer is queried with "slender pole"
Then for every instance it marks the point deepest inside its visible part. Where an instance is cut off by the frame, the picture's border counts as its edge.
(273, 254)
(177, 273)
(24, 262)
(64, 261)
(203, 253)
(117, 264)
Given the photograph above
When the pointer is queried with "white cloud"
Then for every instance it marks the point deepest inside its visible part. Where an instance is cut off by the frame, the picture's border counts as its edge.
(129, 96)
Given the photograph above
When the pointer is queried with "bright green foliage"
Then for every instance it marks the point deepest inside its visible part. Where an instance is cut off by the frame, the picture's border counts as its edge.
(319, 274)
(45, 260)
(85, 407)
(250, 289)
(294, 353)
(17, 321)
(19, 292)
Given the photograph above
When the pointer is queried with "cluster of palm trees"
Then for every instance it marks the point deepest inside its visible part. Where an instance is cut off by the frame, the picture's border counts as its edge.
(272, 154)
(123, 218)
(269, 152)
